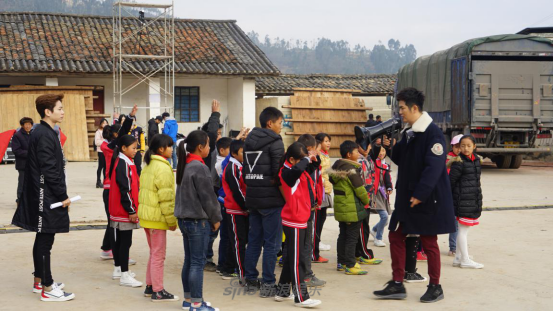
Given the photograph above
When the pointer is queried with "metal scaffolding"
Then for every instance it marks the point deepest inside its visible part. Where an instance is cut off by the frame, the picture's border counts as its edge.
(127, 49)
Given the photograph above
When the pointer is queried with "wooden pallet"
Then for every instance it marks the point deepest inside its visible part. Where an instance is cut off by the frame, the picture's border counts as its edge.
(333, 111)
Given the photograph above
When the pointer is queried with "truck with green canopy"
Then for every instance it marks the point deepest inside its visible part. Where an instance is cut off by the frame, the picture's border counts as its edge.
(497, 88)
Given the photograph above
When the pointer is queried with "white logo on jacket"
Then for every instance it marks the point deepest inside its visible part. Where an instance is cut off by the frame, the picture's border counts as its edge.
(255, 161)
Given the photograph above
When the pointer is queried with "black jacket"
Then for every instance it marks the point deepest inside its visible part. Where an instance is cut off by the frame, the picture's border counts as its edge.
(422, 174)
(371, 123)
(153, 129)
(212, 129)
(44, 185)
(263, 151)
(20, 145)
(465, 186)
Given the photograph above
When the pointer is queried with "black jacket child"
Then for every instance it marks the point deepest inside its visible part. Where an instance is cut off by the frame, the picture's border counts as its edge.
(465, 186)
(45, 185)
(263, 151)
(20, 145)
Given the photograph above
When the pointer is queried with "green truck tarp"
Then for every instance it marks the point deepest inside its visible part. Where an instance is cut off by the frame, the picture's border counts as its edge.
(432, 73)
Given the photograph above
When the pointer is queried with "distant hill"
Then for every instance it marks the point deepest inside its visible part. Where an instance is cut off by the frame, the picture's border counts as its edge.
(325, 56)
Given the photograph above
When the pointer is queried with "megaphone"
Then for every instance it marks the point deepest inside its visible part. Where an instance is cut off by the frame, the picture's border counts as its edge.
(366, 135)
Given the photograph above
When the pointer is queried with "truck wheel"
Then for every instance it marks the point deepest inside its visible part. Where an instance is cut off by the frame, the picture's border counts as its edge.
(503, 162)
(516, 162)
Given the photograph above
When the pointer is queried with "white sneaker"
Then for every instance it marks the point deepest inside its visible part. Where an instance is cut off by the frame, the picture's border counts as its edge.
(37, 287)
(280, 299)
(132, 262)
(457, 260)
(309, 303)
(379, 243)
(117, 273)
(373, 234)
(470, 264)
(106, 255)
(323, 247)
(127, 279)
(56, 295)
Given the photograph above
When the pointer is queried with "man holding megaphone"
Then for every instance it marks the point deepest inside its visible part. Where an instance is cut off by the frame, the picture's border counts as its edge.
(424, 204)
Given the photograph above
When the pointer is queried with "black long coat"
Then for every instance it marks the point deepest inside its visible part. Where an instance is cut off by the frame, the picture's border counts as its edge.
(465, 186)
(422, 174)
(44, 184)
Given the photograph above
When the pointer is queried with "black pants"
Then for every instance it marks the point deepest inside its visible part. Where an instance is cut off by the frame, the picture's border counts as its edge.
(411, 246)
(41, 257)
(293, 275)
(20, 181)
(238, 229)
(121, 242)
(138, 162)
(361, 249)
(347, 243)
(106, 243)
(101, 167)
(318, 223)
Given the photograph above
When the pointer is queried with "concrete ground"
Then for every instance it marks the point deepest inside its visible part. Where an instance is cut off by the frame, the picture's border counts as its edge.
(514, 246)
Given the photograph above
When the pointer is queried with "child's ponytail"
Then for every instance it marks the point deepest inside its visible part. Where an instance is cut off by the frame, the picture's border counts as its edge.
(192, 141)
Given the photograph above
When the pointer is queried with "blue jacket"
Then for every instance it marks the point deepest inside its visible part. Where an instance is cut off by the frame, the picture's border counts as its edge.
(422, 174)
(171, 128)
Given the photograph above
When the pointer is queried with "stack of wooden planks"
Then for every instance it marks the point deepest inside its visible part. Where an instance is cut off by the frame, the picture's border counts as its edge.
(333, 111)
(17, 102)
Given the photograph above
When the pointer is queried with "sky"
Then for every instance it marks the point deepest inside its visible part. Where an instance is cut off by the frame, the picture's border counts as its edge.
(429, 25)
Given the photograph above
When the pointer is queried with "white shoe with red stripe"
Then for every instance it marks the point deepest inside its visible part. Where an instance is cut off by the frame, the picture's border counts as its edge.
(56, 295)
(309, 303)
(37, 287)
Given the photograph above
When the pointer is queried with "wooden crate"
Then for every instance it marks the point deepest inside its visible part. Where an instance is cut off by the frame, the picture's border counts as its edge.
(333, 111)
(19, 101)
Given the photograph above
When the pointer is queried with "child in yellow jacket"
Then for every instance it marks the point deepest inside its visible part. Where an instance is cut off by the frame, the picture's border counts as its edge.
(156, 212)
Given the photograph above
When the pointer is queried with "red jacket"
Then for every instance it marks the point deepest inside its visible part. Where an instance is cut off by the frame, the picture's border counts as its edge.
(123, 196)
(319, 187)
(235, 188)
(296, 185)
(384, 171)
(450, 156)
(108, 154)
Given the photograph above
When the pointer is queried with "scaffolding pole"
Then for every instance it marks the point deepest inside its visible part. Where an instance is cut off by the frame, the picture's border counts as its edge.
(129, 29)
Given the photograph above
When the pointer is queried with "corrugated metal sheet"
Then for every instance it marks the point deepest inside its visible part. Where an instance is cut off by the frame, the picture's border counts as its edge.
(460, 106)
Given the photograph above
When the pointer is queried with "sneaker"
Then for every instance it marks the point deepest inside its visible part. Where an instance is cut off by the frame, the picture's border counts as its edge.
(309, 303)
(186, 305)
(267, 290)
(229, 276)
(149, 291)
(210, 267)
(127, 279)
(37, 287)
(471, 264)
(106, 255)
(314, 282)
(280, 299)
(55, 294)
(99, 184)
(433, 293)
(320, 260)
(379, 243)
(373, 261)
(164, 296)
(392, 290)
(252, 285)
(414, 277)
(280, 263)
(131, 262)
(340, 267)
(323, 247)
(356, 270)
(117, 273)
(421, 256)
(203, 307)
(451, 253)
(373, 234)
(457, 260)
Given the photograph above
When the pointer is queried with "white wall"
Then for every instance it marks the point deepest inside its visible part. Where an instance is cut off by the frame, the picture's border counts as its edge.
(237, 95)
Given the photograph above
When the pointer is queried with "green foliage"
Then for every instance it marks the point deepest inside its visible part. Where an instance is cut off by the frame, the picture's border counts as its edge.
(325, 56)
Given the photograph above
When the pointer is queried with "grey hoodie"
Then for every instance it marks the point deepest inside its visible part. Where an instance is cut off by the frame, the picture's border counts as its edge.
(195, 198)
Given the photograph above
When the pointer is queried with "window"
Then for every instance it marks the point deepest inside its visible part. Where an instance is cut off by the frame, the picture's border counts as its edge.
(187, 104)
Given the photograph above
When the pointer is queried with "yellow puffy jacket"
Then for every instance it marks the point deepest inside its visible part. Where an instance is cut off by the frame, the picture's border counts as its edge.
(325, 166)
(157, 195)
